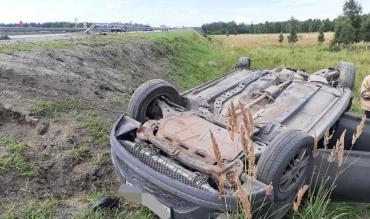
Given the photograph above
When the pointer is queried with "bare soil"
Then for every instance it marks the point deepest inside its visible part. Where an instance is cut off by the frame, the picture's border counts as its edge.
(102, 79)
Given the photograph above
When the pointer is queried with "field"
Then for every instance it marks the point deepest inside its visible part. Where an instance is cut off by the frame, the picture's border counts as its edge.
(269, 39)
(60, 98)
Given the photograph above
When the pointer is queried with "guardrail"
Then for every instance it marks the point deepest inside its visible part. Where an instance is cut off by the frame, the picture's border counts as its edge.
(38, 29)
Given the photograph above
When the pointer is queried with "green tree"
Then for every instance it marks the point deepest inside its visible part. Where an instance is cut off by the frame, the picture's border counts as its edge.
(293, 30)
(321, 37)
(281, 38)
(353, 10)
(344, 31)
(365, 29)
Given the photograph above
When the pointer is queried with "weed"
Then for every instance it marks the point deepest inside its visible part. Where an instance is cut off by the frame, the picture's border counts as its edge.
(55, 108)
(97, 129)
(80, 151)
(71, 137)
(13, 158)
(30, 210)
(101, 159)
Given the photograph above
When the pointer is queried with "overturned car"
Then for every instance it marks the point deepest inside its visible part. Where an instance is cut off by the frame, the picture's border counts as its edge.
(163, 152)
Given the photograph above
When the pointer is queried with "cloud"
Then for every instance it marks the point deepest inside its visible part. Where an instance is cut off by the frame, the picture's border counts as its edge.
(193, 12)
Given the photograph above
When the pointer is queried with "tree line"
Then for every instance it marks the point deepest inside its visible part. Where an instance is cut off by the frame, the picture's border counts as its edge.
(350, 27)
(307, 26)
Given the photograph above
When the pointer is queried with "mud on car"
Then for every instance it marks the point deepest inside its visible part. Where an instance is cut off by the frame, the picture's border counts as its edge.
(163, 152)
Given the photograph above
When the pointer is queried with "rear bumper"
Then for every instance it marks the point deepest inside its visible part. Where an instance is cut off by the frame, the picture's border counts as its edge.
(168, 197)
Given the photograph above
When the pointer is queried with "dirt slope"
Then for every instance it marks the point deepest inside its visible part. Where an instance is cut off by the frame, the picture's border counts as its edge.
(92, 74)
(65, 146)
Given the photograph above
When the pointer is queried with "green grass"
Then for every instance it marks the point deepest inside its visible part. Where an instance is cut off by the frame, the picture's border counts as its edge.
(80, 151)
(124, 209)
(12, 158)
(101, 159)
(191, 54)
(55, 108)
(33, 209)
(96, 128)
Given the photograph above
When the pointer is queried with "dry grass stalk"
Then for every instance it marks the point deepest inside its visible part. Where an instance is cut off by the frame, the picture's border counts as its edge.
(232, 121)
(333, 155)
(269, 189)
(246, 132)
(359, 130)
(340, 148)
(244, 198)
(221, 184)
(299, 198)
(216, 150)
(315, 144)
(327, 138)
(338, 151)
(247, 119)
(248, 151)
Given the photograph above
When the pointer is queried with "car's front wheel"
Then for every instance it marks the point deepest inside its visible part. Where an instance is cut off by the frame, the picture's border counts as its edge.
(143, 104)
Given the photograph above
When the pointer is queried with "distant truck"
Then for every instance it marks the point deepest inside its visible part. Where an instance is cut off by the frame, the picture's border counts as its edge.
(118, 28)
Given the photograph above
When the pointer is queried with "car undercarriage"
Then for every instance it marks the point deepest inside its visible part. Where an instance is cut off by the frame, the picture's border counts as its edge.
(162, 148)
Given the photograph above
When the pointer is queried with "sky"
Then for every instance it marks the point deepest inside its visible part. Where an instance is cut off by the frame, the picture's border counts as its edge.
(169, 12)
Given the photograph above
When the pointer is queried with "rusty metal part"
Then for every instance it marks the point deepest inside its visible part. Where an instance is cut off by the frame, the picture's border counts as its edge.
(185, 137)
(263, 96)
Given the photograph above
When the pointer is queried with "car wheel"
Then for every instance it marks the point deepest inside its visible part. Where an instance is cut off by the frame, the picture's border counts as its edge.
(347, 74)
(244, 62)
(143, 105)
(287, 164)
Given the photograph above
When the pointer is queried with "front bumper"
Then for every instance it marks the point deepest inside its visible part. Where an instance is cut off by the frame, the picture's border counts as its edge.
(167, 197)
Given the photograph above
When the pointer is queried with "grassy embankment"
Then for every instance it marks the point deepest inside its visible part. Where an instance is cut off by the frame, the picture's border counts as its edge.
(196, 59)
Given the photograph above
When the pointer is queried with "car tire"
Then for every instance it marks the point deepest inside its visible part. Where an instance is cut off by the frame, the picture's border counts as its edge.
(244, 62)
(288, 158)
(347, 74)
(142, 105)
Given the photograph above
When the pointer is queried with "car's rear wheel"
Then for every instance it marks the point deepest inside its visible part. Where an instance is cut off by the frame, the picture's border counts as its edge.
(143, 105)
(244, 62)
(347, 74)
(287, 165)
